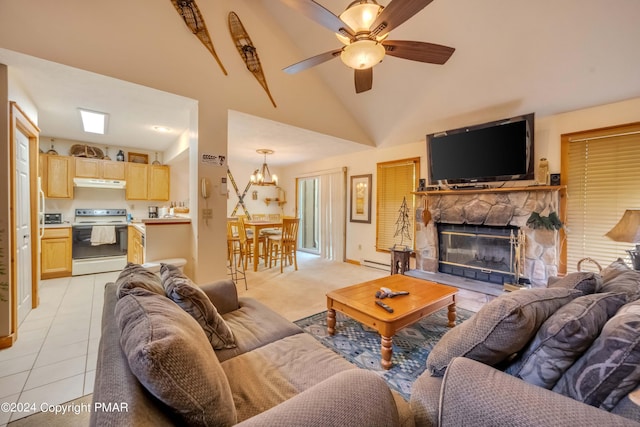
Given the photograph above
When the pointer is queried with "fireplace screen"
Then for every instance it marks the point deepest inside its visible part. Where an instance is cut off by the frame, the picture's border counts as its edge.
(477, 252)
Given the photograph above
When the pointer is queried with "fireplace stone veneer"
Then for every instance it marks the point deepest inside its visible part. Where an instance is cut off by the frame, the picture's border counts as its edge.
(491, 208)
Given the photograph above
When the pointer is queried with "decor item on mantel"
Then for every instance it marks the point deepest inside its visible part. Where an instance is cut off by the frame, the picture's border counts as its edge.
(542, 173)
(628, 230)
(551, 222)
(248, 52)
(363, 28)
(263, 175)
(189, 11)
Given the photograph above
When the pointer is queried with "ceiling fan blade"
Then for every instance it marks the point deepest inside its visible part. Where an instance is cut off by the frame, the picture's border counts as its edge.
(418, 51)
(363, 79)
(395, 14)
(312, 62)
(322, 16)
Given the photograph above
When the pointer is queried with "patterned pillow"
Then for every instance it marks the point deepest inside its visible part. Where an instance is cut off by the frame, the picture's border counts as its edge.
(563, 338)
(169, 354)
(195, 302)
(501, 328)
(627, 282)
(610, 368)
(136, 276)
(586, 282)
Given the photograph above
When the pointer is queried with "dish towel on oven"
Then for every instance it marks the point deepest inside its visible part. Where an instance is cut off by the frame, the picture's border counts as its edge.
(103, 235)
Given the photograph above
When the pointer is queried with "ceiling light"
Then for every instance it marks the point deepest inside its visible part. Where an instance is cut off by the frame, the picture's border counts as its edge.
(162, 129)
(94, 121)
(263, 175)
(362, 54)
(359, 16)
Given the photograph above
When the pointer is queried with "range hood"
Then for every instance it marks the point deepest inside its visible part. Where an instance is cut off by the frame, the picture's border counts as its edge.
(99, 183)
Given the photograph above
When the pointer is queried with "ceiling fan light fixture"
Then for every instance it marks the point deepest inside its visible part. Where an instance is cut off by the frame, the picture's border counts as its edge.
(362, 54)
(359, 15)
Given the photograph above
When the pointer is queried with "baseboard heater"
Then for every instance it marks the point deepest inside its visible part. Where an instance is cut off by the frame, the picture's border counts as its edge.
(375, 264)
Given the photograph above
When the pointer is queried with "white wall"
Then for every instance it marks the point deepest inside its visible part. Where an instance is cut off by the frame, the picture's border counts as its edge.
(548, 130)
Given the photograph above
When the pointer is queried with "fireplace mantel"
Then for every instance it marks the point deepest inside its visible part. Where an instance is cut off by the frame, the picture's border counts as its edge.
(491, 190)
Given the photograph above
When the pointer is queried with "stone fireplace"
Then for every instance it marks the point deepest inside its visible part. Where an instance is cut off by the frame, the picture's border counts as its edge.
(502, 211)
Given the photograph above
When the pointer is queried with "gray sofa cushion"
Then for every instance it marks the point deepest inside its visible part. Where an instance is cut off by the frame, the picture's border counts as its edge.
(586, 282)
(253, 326)
(610, 368)
(195, 302)
(136, 276)
(563, 337)
(614, 269)
(170, 355)
(501, 328)
(627, 282)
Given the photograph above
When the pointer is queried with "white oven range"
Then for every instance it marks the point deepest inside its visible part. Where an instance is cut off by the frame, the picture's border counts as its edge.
(99, 241)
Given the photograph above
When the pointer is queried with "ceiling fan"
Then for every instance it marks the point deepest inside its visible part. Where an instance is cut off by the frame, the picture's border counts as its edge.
(363, 28)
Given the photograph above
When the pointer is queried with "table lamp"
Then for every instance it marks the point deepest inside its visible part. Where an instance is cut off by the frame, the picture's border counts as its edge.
(628, 230)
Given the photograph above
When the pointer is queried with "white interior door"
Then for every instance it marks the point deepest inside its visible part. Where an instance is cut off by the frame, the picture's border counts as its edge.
(23, 226)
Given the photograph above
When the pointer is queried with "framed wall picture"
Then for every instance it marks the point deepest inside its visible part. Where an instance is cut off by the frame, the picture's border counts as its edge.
(138, 157)
(361, 198)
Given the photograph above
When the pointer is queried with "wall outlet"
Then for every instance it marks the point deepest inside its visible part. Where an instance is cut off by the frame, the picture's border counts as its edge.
(359, 247)
(207, 213)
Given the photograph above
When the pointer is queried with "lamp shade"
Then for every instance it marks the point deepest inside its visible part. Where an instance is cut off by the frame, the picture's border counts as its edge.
(627, 229)
(362, 54)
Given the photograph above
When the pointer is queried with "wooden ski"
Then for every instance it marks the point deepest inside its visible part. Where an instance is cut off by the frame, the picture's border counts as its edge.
(241, 197)
(247, 51)
(189, 11)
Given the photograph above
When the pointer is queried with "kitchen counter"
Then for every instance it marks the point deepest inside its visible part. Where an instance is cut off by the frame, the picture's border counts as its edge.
(63, 225)
(162, 221)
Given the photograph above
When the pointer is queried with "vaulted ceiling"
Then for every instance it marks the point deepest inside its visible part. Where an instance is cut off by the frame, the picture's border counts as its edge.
(512, 57)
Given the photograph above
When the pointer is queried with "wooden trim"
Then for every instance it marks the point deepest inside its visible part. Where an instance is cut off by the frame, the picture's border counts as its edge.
(18, 120)
(352, 261)
(493, 190)
(7, 341)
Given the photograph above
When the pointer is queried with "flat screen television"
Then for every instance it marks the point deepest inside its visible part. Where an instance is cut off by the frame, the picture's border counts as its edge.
(496, 151)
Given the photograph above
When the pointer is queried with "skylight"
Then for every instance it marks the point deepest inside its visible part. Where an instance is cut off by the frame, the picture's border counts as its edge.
(94, 121)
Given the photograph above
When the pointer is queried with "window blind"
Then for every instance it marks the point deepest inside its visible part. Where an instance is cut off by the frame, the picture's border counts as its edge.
(395, 181)
(603, 181)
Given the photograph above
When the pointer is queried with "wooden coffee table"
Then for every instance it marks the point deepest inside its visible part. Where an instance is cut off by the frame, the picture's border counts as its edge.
(358, 302)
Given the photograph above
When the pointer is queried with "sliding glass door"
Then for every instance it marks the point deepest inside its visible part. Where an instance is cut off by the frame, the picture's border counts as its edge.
(309, 215)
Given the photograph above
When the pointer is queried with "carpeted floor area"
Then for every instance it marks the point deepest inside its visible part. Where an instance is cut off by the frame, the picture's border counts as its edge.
(360, 344)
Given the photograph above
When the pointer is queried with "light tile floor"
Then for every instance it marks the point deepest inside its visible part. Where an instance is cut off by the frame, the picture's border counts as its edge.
(54, 359)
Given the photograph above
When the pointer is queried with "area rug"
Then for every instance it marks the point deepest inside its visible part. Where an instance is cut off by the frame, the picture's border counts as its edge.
(360, 344)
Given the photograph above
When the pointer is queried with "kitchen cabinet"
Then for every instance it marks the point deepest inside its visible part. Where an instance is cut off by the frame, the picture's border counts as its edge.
(97, 168)
(55, 258)
(57, 176)
(158, 182)
(137, 176)
(147, 182)
(135, 241)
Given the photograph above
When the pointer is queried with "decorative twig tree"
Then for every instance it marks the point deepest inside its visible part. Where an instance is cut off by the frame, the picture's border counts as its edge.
(403, 223)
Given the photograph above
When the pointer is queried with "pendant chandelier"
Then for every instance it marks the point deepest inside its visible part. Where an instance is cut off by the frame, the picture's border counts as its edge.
(263, 176)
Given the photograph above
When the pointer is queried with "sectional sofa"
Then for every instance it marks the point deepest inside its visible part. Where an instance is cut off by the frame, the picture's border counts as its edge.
(157, 357)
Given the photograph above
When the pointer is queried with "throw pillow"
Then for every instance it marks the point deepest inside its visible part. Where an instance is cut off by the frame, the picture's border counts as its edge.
(586, 282)
(195, 302)
(136, 276)
(610, 368)
(501, 327)
(627, 282)
(169, 354)
(613, 270)
(563, 337)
